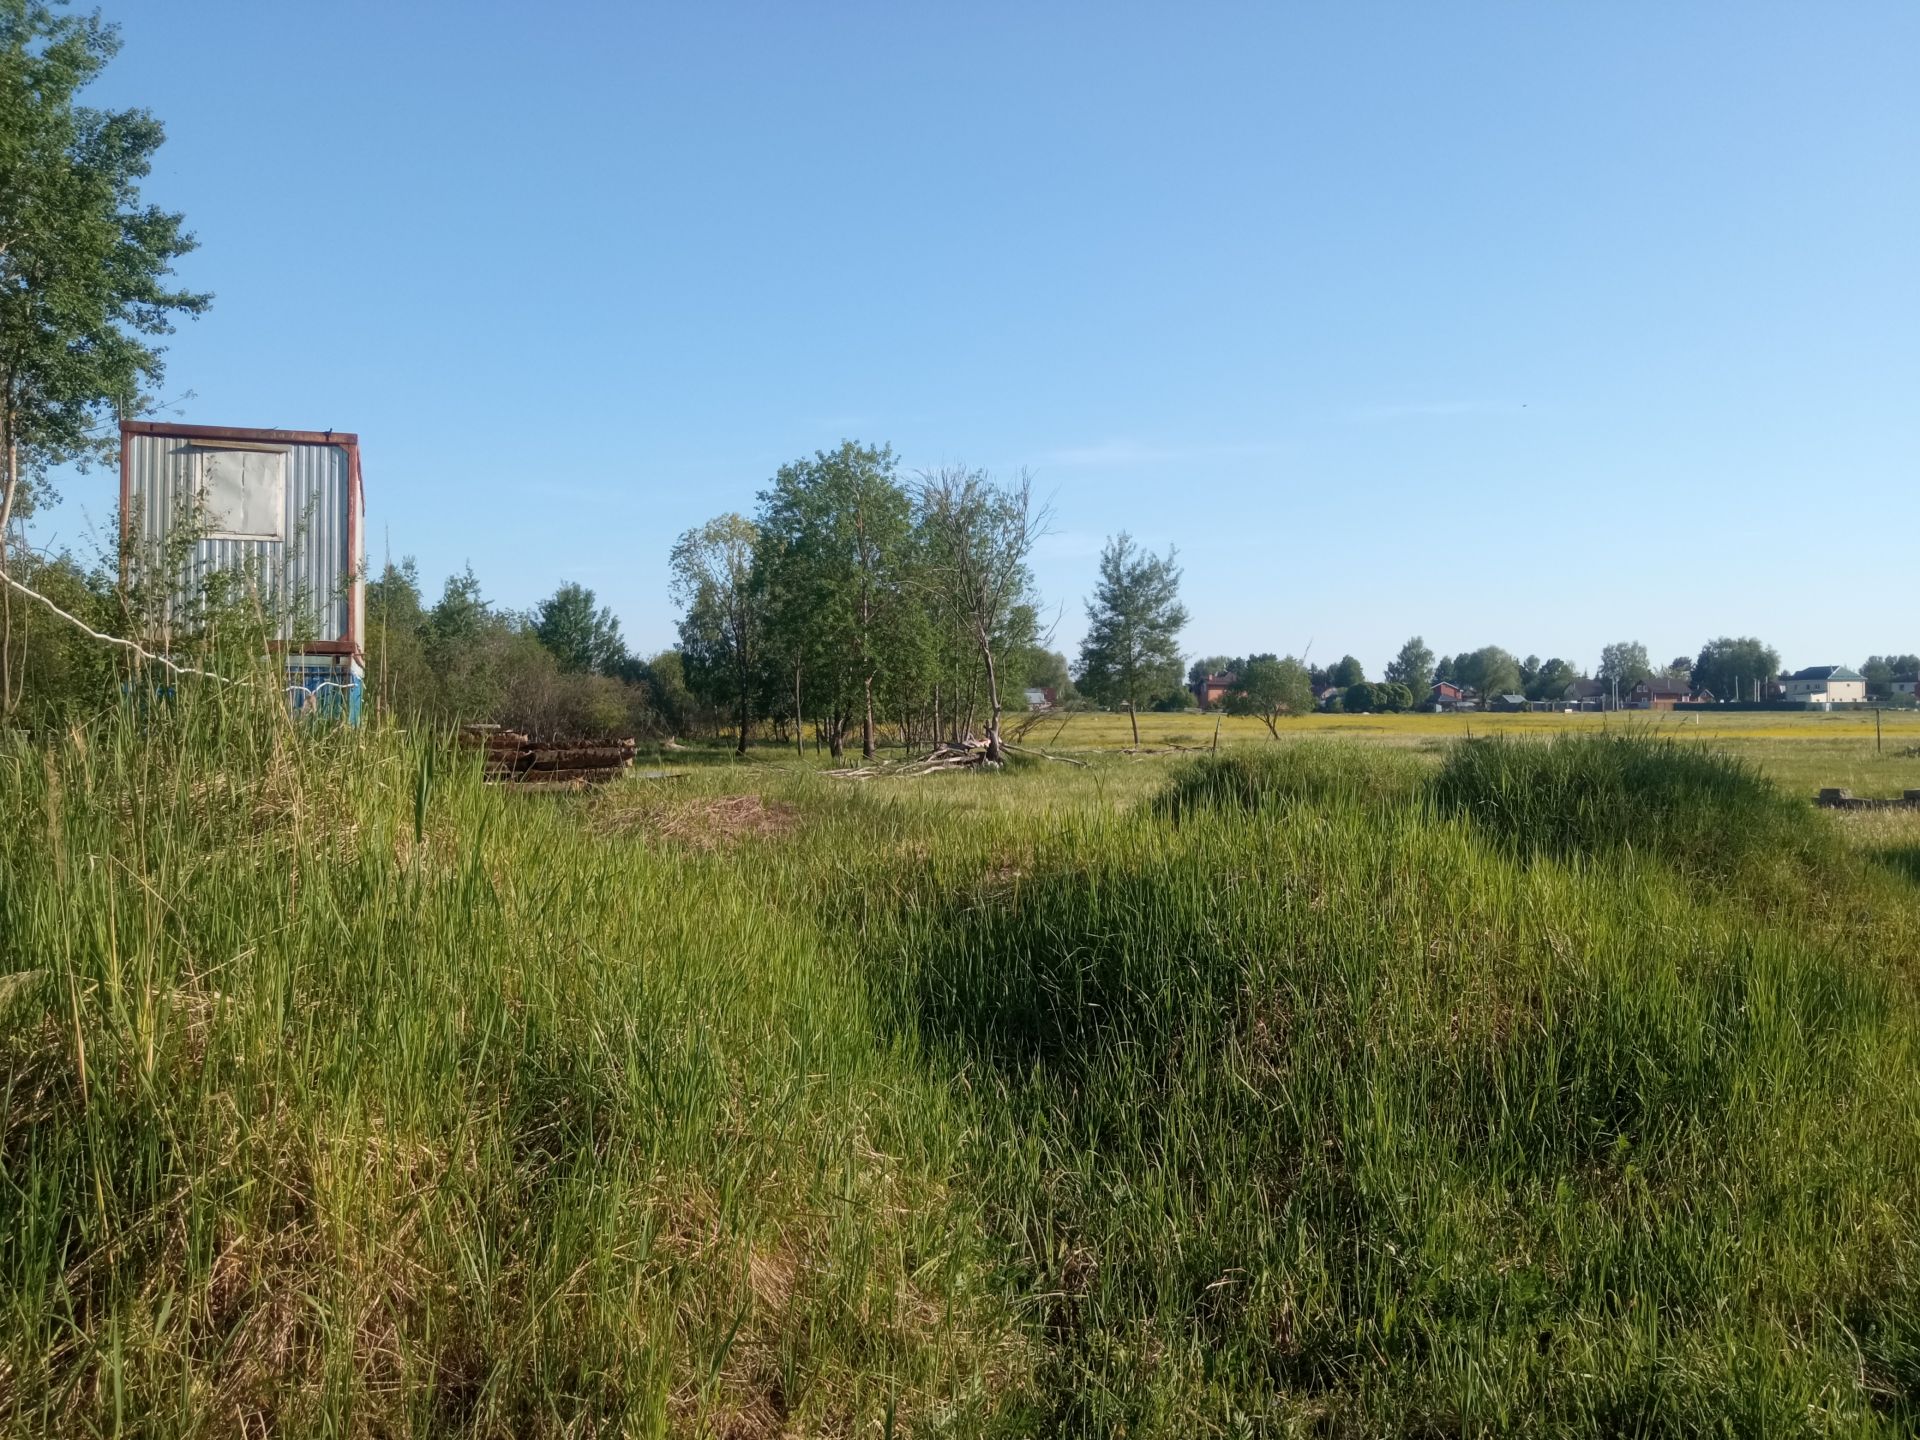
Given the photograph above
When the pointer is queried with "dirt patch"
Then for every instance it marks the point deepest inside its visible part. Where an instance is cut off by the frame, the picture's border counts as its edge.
(708, 823)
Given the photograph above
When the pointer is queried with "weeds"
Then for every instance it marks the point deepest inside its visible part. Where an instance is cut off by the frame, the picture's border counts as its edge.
(1321, 1094)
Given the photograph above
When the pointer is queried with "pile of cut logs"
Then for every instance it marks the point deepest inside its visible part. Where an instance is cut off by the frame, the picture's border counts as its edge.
(513, 758)
(1835, 798)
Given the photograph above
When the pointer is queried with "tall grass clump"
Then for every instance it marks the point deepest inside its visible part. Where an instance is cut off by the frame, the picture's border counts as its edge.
(1704, 812)
(1342, 1120)
(342, 1094)
(1303, 773)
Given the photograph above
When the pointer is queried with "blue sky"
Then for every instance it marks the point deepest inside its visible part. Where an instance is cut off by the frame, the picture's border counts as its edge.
(1539, 326)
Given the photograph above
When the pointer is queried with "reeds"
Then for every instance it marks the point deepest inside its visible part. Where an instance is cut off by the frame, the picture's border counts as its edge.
(340, 1093)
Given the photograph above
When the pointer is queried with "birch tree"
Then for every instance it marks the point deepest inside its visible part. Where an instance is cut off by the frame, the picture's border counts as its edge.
(715, 583)
(837, 543)
(84, 263)
(978, 538)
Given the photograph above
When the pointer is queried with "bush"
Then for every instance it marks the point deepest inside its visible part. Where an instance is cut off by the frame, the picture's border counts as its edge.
(1708, 814)
(1340, 1117)
(1255, 779)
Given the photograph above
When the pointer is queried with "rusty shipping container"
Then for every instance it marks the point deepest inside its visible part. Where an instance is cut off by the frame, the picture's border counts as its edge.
(282, 508)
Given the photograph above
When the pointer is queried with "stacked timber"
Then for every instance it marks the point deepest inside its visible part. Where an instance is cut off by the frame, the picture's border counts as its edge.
(514, 758)
(1835, 798)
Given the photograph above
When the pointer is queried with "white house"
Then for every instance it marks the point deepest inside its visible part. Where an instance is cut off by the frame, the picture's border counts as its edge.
(1824, 685)
(1906, 687)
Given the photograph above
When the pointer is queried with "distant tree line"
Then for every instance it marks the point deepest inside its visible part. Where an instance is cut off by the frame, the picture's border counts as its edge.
(1728, 668)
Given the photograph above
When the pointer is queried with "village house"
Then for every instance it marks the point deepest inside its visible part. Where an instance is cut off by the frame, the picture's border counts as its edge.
(1824, 685)
(1445, 695)
(1212, 690)
(1907, 685)
(1040, 698)
(1659, 692)
(1585, 694)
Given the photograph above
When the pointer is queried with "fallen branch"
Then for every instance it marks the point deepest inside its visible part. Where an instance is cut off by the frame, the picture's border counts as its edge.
(1061, 759)
(94, 634)
(943, 758)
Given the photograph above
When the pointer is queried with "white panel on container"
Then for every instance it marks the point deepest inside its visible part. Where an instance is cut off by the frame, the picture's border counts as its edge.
(243, 493)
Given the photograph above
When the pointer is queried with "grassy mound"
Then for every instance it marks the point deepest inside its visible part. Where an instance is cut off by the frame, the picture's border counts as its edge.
(1364, 1126)
(1702, 811)
(1307, 772)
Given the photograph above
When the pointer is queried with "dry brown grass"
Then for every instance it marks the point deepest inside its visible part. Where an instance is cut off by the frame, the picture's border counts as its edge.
(699, 822)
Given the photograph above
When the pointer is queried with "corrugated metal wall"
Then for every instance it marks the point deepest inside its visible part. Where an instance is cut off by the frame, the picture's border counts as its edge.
(305, 578)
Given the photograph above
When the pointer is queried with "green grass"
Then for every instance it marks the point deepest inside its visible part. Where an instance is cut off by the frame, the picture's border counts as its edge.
(1561, 1089)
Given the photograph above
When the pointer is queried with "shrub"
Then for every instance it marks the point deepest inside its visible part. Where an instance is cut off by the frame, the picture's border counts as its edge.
(1341, 1117)
(1708, 814)
(1253, 779)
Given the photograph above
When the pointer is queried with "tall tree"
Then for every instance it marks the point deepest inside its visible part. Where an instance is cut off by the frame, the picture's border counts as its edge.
(1551, 680)
(1413, 668)
(1735, 668)
(1882, 670)
(1134, 619)
(837, 535)
(978, 538)
(719, 591)
(1269, 687)
(1624, 664)
(1392, 697)
(582, 637)
(1347, 673)
(1489, 670)
(84, 264)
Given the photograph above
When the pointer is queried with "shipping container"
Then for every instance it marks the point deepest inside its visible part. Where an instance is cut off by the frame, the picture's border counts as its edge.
(282, 513)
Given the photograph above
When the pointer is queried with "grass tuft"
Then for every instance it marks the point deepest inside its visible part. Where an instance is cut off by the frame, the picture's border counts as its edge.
(1301, 773)
(1709, 815)
(1549, 1090)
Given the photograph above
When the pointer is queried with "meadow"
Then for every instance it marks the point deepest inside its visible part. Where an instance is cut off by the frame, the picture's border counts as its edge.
(1371, 1082)
(1800, 751)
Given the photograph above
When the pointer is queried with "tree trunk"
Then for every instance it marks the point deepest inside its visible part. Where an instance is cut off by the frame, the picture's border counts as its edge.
(741, 748)
(799, 740)
(936, 713)
(995, 755)
(6, 560)
(1133, 717)
(866, 733)
(13, 473)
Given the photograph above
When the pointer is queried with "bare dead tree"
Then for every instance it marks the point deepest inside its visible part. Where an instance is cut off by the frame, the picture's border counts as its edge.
(980, 535)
